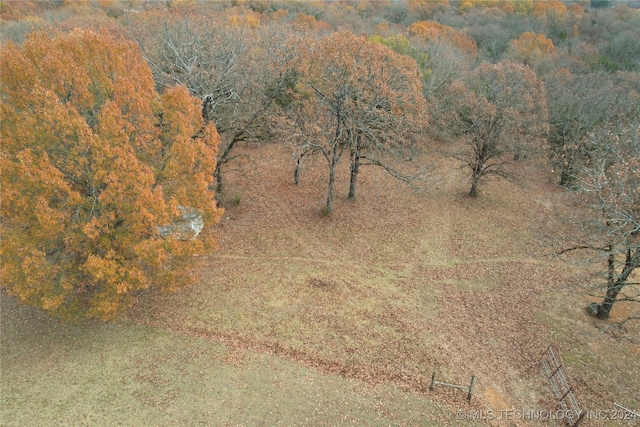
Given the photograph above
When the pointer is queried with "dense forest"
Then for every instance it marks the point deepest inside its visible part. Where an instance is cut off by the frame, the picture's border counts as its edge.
(313, 212)
(89, 86)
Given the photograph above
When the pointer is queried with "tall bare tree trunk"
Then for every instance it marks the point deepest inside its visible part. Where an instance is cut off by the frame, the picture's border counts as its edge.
(605, 307)
(224, 158)
(474, 185)
(296, 174)
(482, 151)
(332, 178)
(355, 166)
(336, 153)
(565, 175)
(612, 288)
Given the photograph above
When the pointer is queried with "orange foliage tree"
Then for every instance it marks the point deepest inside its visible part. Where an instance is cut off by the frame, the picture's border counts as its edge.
(506, 5)
(312, 23)
(101, 176)
(547, 7)
(357, 97)
(531, 48)
(427, 7)
(433, 31)
(10, 11)
(443, 52)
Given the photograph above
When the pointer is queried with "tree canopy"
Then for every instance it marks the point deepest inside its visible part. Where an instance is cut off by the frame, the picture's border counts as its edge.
(224, 60)
(497, 109)
(107, 164)
(95, 163)
(355, 96)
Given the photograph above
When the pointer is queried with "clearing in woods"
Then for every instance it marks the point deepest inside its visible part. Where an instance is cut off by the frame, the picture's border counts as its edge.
(302, 319)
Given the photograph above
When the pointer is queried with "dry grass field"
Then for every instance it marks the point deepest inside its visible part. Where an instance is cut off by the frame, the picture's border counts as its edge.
(302, 319)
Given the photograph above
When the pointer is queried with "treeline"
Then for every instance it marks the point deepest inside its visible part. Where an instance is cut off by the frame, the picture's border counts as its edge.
(371, 82)
(604, 37)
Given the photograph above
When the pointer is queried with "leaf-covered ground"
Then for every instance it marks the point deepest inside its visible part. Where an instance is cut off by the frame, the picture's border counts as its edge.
(92, 374)
(302, 319)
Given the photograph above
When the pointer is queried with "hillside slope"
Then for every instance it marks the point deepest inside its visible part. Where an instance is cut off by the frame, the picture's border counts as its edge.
(302, 319)
(397, 284)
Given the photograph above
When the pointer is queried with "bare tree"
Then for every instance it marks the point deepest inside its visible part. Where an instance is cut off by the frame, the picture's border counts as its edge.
(609, 190)
(358, 97)
(226, 64)
(445, 63)
(577, 105)
(497, 108)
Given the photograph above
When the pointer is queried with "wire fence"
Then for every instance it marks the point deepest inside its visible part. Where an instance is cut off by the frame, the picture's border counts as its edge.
(561, 388)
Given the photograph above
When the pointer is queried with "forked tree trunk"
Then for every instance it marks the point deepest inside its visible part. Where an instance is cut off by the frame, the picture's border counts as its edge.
(333, 157)
(477, 170)
(217, 173)
(474, 186)
(615, 284)
(613, 288)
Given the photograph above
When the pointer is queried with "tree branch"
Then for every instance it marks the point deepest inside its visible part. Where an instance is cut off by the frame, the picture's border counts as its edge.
(578, 247)
(410, 180)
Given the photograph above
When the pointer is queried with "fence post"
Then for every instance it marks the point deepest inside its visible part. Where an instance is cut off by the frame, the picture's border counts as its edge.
(469, 389)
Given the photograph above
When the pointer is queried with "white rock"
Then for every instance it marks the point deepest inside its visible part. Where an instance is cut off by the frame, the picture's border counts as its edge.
(186, 228)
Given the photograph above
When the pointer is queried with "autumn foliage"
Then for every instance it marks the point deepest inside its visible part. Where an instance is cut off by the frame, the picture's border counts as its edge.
(105, 160)
(433, 31)
(94, 164)
(353, 96)
(497, 109)
(531, 48)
